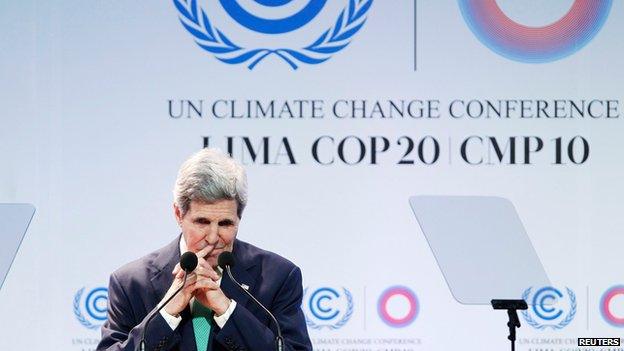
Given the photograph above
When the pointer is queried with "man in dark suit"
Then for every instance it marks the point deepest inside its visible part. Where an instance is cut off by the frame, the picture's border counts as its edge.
(210, 313)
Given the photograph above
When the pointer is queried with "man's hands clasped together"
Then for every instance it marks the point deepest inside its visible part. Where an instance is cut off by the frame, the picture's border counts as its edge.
(200, 284)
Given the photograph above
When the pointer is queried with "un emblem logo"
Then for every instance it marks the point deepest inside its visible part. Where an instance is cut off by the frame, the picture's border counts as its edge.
(270, 27)
(327, 308)
(549, 308)
(91, 309)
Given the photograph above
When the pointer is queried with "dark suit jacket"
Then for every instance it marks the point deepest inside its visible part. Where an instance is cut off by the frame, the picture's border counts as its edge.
(136, 288)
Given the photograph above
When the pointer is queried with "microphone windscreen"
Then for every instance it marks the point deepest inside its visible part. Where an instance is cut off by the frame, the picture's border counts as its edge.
(188, 261)
(225, 259)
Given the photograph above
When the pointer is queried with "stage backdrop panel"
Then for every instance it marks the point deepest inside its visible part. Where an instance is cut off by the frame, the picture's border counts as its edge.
(340, 117)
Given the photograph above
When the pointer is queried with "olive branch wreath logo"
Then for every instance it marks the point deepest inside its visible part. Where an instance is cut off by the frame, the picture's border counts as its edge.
(342, 320)
(196, 21)
(569, 317)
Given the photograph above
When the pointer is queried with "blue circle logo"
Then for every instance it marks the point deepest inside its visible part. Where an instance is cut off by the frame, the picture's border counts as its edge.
(197, 22)
(327, 308)
(549, 308)
(91, 309)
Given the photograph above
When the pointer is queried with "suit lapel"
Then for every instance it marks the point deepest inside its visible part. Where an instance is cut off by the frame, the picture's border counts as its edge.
(234, 292)
(163, 265)
(243, 271)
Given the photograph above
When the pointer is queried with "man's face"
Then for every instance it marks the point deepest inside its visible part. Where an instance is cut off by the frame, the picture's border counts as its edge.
(211, 225)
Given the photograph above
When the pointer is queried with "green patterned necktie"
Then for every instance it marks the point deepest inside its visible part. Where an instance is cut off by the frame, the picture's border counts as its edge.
(202, 323)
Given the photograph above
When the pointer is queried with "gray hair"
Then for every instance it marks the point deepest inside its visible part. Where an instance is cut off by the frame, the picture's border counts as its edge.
(210, 175)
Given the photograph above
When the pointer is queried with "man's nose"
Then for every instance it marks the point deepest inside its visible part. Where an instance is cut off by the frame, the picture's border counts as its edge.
(212, 235)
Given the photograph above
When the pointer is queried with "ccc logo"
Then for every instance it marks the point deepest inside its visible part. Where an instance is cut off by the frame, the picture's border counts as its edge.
(90, 307)
(327, 307)
(550, 308)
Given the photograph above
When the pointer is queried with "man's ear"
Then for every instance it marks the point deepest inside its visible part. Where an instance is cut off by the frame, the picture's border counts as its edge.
(177, 213)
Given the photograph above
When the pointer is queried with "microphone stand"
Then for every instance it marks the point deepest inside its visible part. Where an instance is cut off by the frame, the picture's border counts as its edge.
(153, 313)
(279, 340)
(512, 307)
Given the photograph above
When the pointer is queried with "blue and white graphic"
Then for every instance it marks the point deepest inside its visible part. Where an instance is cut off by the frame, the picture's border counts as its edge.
(91, 309)
(549, 308)
(198, 22)
(327, 307)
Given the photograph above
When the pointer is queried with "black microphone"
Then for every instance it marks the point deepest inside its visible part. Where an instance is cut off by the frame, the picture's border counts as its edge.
(226, 261)
(188, 262)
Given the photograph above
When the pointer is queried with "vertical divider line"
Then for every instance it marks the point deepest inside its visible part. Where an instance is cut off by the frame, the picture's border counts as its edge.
(415, 35)
(364, 309)
(587, 307)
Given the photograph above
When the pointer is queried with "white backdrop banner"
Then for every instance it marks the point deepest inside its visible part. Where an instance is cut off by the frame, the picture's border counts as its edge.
(341, 111)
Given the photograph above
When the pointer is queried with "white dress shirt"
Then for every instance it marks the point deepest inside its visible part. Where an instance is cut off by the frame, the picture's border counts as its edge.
(174, 321)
